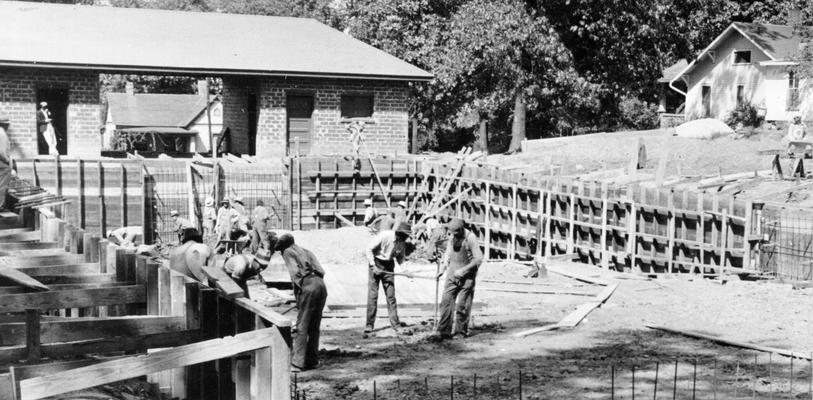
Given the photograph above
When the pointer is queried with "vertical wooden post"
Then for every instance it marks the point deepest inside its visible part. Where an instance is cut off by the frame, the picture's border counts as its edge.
(724, 221)
(336, 222)
(670, 234)
(701, 231)
(299, 189)
(273, 362)
(715, 230)
(193, 305)
(746, 233)
(32, 335)
(571, 225)
(318, 193)
(225, 327)
(208, 326)
(605, 256)
(80, 195)
(632, 237)
(123, 189)
(57, 176)
(91, 247)
(102, 213)
(487, 223)
(152, 288)
(513, 247)
(353, 196)
(164, 291)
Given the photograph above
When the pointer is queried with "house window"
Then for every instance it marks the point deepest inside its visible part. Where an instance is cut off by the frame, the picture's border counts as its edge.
(740, 94)
(357, 106)
(792, 103)
(742, 57)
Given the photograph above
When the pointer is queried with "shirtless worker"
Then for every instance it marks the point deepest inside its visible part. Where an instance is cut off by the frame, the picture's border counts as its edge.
(311, 295)
(460, 262)
(242, 267)
(387, 249)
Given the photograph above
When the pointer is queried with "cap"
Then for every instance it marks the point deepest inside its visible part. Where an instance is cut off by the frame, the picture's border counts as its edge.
(402, 204)
(285, 241)
(262, 256)
(224, 201)
(456, 225)
(173, 213)
(44, 104)
(238, 199)
(210, 201)
(404, 228)
(368, 202)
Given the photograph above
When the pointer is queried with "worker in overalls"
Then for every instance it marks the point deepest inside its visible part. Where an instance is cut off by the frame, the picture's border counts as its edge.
(460, 264)
(311, 295)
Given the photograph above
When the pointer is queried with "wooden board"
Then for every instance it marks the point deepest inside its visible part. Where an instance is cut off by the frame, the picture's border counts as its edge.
(66, 269)
(736, 343)
(265, 313)
(224, 283)
(91, 328)
(34, 261)
(73, 298)
(131, 367)
(21, 279)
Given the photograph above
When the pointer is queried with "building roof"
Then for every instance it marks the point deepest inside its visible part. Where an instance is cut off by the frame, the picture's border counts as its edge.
(154, 110)
(672, 71)
(780, 43)
(160, 41)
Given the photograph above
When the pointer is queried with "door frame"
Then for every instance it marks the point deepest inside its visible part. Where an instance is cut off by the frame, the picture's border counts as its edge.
(38, 99)
(298, 93)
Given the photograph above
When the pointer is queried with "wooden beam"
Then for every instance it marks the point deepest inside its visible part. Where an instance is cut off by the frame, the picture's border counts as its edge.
(224, 283)
(32, 335)
(34, 261)
(66, 286)
(13, 354)
(735, 343)
(73, 298)
(83, 268)
(76, 279)
(21, 279)
(343, 220)
(263, 312)
(131, 367)
(70, 330)
(9, 245)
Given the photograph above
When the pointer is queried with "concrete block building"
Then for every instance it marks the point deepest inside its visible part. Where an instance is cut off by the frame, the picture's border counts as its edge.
(290, 85)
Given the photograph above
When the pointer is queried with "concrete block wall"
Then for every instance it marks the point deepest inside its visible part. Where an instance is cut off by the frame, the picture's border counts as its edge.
(18, 98)
(235, 114)
(385, 133)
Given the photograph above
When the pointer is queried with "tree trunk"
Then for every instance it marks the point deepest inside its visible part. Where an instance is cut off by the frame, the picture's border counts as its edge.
(518, 127)
(482, 137)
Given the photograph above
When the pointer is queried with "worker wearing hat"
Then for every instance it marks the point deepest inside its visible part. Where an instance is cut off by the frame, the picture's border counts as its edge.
(242, 267)
(370, 213)
(399, 212)
(311, 295)
(385, 251)
(460, 263)
(183, 227)
(209, 216)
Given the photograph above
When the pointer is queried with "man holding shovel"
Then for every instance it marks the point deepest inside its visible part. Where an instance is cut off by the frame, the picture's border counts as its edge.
(387, 249)
(460, 263)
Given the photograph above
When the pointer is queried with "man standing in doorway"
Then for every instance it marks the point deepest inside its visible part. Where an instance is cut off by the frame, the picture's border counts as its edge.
(311, 295)
(460, 262)
(46, 129)
(387, 249)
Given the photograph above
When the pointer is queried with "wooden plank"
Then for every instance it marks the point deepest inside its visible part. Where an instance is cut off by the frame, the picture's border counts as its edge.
(265, 313)
(164, 295)
(20, 278)
(69, 286)
(101, 346)
(9, 245)
(735, 343)
(32, 335)
(83, 268)
(343, 220)
(72, 298)
(80, 329)
(56, 280)
(224, 283)
(34, 261)
(574, 318)
(152, 288)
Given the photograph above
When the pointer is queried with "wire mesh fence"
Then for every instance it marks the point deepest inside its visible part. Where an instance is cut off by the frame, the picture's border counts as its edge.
(786, 248)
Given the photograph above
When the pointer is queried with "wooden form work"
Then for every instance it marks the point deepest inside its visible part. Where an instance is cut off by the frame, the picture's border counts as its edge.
(626, 228)
(114, 301)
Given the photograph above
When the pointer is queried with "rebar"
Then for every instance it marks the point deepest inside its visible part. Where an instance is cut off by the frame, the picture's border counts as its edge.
(633, 382)
(694, 380)
(451, 387)
(655, 392)
(791, 376)
(520, 384)
(770, 374)
(714, 381)
(674, 382)
(612, 382)
(474, 387)
(754, 383)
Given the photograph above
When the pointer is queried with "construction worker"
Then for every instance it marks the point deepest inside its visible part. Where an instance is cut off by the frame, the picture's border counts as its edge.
(311, 295)
(242, 267)
(224, 217)
(189, 259)
(260, 215)
(260, 239)
(125, 236)
(370, 213)
(399, 212)
(460, 263)
(183, 227)
(209, 217)
(5, 160)
(385, 251)
(239, 219)
(385, 222)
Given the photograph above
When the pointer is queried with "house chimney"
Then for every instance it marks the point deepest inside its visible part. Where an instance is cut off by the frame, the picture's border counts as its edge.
(203, 88)
(794, 16)
(129, 88)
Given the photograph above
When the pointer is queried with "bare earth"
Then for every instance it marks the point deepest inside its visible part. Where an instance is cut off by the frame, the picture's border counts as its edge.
(561, 364)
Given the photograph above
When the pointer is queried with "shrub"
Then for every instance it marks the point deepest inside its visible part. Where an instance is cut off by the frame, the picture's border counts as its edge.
(745, 114)
(637, 114)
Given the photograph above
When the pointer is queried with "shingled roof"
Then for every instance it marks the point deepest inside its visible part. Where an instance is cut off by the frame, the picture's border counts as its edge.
(154, 110)
(148, 40)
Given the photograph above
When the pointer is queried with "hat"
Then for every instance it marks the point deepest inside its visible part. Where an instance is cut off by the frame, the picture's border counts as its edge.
(210, 201)
(262, 256)
(285, 241)
(238, 199)
(402, 204)
(456, 225)
(44, 104)
(224, 201)
(173, 213)
(404, 228)
(367, 202)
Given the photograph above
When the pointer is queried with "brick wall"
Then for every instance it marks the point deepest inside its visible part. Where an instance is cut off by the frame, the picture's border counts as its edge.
(18, 96)
(385, 133)
(235, 114)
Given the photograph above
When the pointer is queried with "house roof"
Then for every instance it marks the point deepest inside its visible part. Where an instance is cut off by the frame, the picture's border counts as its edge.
(778, 42)
(154, 110)
(672, 71)
(161, 41)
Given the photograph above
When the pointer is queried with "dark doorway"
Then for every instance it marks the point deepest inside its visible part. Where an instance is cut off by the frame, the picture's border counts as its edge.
(57, 100)
(300, 111)
(706, 96)
(252, 124)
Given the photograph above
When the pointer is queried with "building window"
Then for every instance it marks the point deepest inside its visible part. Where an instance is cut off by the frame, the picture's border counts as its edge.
(740, 95)
(742, 57)
(357, 106)
(793, 92)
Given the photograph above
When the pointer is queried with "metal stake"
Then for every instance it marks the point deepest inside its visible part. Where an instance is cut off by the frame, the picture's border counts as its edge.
(375, 392)
(694, 380)
(612, 382)
(674, 382)
(714, 381)
(633, 382)
(474, 390)
(451, 387)
(770, 374)
(655, 392)
(520, 384)
(754, 383)
(426, 384)
(791, 376)
(736, 379)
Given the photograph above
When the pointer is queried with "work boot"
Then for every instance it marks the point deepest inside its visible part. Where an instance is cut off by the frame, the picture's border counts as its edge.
(368, 329)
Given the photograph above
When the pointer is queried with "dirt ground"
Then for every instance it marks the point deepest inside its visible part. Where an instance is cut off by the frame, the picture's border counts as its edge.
(576, 363)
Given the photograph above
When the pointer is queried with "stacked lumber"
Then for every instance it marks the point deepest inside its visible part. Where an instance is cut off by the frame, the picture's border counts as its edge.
(444, 185)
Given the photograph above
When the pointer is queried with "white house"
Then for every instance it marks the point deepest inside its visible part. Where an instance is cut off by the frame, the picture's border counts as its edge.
(180, 120)
(746, 63)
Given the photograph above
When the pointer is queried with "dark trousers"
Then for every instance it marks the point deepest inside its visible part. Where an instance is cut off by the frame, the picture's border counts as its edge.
(310, 301)
(459, 292)
(388, 282)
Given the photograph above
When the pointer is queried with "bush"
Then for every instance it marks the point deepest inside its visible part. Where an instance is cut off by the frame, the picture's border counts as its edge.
(745, 114)
(637, 114)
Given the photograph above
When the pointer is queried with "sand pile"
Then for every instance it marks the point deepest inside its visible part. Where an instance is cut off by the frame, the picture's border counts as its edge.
(336, 246)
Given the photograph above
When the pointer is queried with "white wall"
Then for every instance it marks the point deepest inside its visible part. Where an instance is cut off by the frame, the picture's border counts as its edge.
(201, 125)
